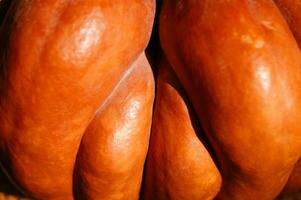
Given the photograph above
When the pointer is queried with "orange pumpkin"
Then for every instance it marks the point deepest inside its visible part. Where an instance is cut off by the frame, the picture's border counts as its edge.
(62, 63)
(178, 166)
(241, 69)
(77, 92)
(291, 10)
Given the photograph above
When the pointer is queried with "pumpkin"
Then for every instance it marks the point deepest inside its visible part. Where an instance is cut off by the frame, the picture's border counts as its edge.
(77, 92)
(291, 10)
(241, 69)
(65, 66)
(178, 166)
(111, 157)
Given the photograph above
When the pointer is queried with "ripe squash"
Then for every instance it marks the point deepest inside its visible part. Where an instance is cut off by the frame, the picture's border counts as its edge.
(61, 61)
(241, 68)
(291, 10)
(179, 166)
(111, 157)
(76, 95)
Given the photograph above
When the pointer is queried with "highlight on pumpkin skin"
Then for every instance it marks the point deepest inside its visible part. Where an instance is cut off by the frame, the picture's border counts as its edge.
(59, 72)
(245, 92)
(70, 80)
(113, 150)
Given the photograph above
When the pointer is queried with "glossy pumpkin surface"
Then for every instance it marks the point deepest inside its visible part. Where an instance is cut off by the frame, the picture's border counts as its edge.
(78, 118)
(241, 68)
(62, 62)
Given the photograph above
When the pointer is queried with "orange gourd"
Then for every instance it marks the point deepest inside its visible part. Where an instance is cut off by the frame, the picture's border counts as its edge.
(291, 10)
(77, 93)
(241, 68)
(61, 62)
(178, 166)
(111, 157)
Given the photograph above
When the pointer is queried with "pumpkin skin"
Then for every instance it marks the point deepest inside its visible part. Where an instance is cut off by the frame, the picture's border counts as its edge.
(293, 184)
(178, 166)
(291, 10)
(59, 66)
(111, 157)
(241, 68)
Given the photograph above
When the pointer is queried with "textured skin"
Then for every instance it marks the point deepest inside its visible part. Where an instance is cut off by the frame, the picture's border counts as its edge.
(178, 166)
(7, 190)
(291, 10)
(294, 182)
(241, 68)
(61, 60)
(113, 150)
